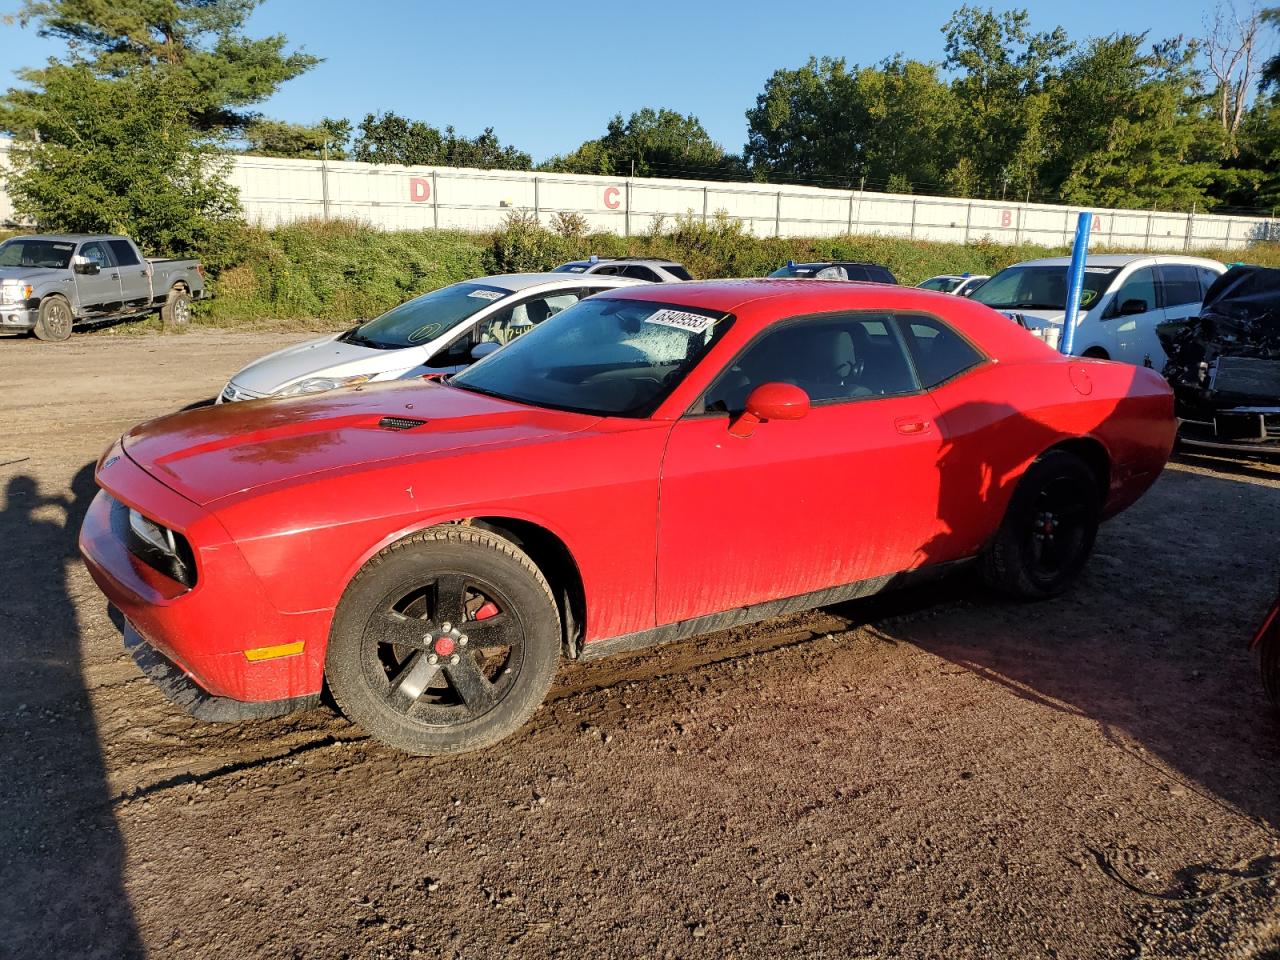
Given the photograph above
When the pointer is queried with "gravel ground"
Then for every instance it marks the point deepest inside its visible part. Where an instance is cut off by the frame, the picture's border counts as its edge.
(933, 773)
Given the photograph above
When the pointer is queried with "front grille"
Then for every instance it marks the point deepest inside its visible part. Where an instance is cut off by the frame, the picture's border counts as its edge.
(399, 423)
(231, 393)
(1248, 377)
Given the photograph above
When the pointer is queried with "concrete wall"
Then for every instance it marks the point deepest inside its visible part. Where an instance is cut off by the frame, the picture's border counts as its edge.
(415, 198)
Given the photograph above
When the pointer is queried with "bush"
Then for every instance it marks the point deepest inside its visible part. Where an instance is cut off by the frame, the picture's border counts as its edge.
(328, 273)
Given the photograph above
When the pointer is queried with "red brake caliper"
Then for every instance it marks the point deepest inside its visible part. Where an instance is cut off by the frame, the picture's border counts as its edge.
(489, 609)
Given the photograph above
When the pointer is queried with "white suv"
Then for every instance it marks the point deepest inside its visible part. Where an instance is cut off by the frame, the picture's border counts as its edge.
(652, 269)
(1123, 299)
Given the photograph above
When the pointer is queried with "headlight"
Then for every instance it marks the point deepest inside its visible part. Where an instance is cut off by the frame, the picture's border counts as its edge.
(320, 385)
(152, 533)
(11, 292)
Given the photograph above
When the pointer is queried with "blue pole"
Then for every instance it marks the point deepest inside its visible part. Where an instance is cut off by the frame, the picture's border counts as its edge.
(1075, 282)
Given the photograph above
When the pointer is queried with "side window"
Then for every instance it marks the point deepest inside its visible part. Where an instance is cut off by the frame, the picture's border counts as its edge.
(833, 272)
(1141, 285)
(96, 253)
(1207, 279)
(837, 358)
(122, 250)
(938, 352)
(1179, 284)
(641, 273)
(607, 271)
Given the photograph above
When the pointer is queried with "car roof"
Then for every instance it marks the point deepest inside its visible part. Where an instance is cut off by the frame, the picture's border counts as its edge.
(647, 261)
(729, 295)
(70, 237)
(523, 281)
(1117, 260)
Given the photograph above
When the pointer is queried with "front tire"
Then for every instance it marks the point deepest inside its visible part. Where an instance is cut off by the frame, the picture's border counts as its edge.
(54, 320)
(444, 642)
(1048, 530)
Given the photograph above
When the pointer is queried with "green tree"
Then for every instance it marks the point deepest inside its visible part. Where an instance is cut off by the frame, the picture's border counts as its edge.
(391, 138)
(891, 122)
(201, 40)
(660, 143)
(1129, 127)
(96, 154)
(1003, 69)
(276, 138)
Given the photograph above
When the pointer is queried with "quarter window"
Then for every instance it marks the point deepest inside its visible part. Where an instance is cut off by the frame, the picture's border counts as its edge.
(938, 352)
(1207, 278)
(830, 359)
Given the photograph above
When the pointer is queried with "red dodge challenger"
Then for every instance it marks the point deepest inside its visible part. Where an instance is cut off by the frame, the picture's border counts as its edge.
(650, 464)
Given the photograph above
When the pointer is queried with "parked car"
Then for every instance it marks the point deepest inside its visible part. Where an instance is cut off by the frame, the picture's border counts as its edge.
(1123, 299)
(652, 269)
(439, 332)
(47, 283)
(1224, 365)
(836, 270)
(650, 464)
(958, 285)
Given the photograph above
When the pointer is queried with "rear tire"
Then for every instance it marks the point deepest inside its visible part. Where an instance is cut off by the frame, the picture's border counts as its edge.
(1048, 530)
(444, 642)
(176, 311)
(54, 320)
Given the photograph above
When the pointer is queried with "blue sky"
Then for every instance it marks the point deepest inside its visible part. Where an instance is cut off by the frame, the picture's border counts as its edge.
(548, 75)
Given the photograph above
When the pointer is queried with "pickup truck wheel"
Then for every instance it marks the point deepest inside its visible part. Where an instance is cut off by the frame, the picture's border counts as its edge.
(1048, 530)
(444, 642)
(54, 319)
(176, 311)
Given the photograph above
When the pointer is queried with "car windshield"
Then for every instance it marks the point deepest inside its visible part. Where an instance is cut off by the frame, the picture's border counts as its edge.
(1042, 288)
(941, 284)
(425, 318)
(50, 254)
(571, 268)
(794, 270)
(602, 356)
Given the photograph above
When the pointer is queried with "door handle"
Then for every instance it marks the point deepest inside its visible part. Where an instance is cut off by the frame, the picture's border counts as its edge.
(909, 426)
(115, 276)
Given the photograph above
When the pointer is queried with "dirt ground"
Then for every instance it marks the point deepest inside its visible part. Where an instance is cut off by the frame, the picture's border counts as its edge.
(934, 773)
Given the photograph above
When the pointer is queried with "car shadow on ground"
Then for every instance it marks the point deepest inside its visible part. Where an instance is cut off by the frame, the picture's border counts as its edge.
(62, 856)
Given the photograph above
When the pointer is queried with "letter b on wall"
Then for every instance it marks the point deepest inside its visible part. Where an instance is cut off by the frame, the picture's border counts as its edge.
(419, 189)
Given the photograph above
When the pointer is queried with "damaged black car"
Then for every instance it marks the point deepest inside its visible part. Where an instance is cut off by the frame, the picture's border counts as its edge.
(1224, 365)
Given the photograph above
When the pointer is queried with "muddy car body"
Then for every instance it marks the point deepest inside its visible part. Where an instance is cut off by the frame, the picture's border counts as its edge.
(648, 465)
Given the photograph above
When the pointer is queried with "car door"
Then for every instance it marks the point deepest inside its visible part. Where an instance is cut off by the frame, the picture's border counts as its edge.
(1132, 317)
(844, 494)
(98, 292)
(135, 276)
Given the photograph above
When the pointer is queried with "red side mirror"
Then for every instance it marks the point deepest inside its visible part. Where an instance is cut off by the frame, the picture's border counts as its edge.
(770, 401)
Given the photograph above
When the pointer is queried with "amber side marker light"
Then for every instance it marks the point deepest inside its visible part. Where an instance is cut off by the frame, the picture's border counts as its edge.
(274, 653)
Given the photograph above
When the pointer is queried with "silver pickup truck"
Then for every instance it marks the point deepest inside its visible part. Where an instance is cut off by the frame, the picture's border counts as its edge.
(47, 283)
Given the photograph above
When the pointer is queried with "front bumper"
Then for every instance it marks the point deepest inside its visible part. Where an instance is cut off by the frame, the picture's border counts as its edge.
(1238, 429)
(176, 684)
(17, 317)
(204, 631)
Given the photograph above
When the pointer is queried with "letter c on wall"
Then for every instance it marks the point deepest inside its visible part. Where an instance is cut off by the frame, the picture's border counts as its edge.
(419, 189)
(611, 200)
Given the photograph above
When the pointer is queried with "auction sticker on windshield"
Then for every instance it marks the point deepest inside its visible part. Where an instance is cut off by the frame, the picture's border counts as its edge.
(487, 294)
(689, 322)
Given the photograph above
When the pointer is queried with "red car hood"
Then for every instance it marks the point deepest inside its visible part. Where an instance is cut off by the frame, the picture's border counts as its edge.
(216, 452)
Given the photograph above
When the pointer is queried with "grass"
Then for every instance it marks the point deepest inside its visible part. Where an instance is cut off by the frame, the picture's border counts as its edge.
(320, 275)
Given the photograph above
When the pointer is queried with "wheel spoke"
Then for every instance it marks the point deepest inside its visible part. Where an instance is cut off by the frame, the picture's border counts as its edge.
(472, 687)
(450, 599)
(499, 631)
(401, 631)
(414, 676)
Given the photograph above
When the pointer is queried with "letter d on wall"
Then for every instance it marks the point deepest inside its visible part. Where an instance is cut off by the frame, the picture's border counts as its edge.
(419, 189)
